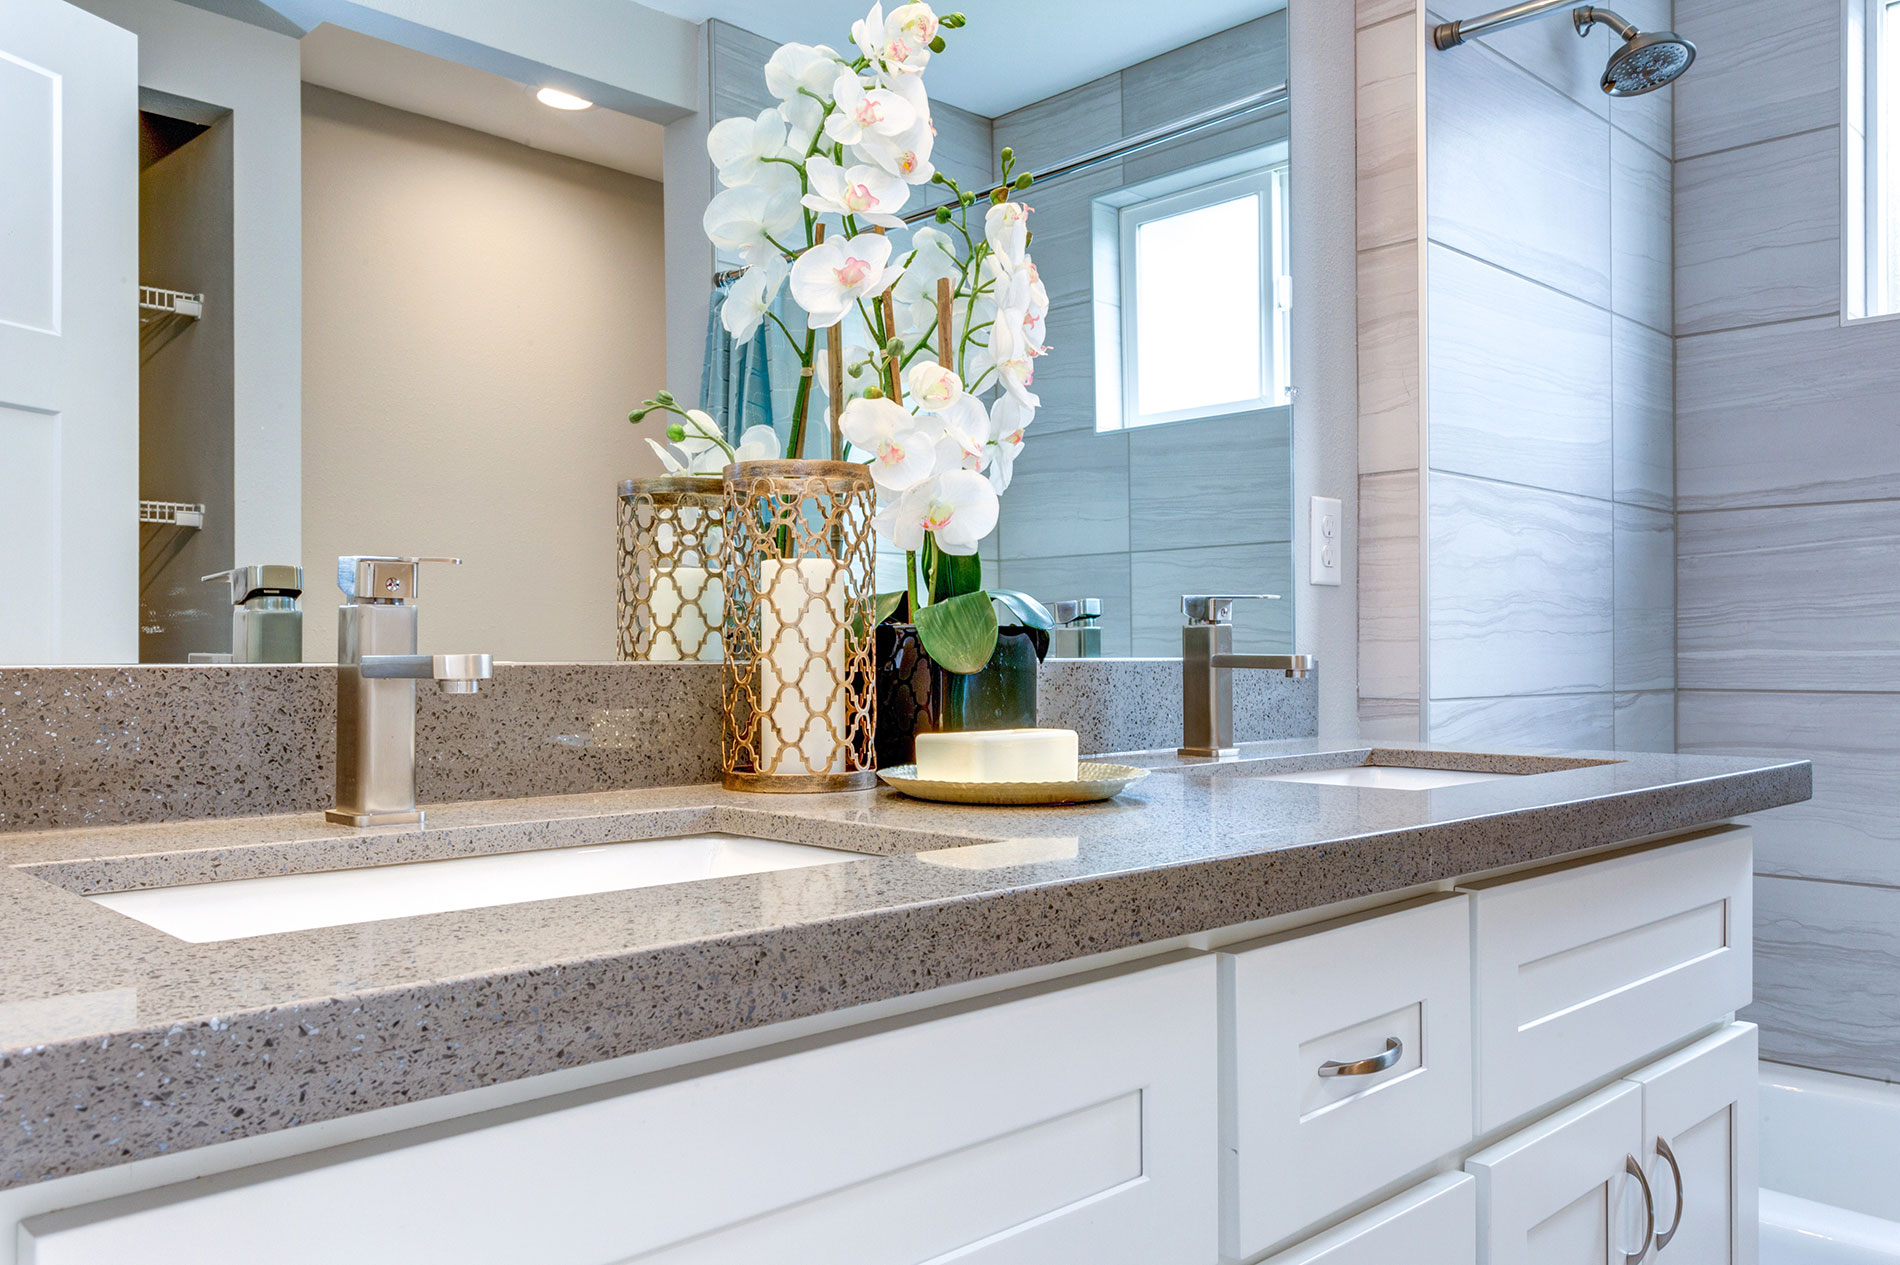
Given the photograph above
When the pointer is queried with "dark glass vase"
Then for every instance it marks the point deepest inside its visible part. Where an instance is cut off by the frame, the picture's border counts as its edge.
(917, 695)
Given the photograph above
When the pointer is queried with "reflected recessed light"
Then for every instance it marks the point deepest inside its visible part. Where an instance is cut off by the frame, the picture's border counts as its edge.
(562, 100)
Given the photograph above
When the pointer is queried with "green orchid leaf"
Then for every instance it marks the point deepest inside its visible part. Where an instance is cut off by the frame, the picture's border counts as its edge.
(1023, 609)
(953, 575)
(885, 605)
(959, 632)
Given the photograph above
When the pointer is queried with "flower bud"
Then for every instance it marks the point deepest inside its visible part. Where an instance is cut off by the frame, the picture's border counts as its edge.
(936, 45)
(952, 20)
(676, 432)
(943, 215)
(1009, 154)
(664, 398)
(872, 393)
(638, 415)
(1024, 181)
(999, 196)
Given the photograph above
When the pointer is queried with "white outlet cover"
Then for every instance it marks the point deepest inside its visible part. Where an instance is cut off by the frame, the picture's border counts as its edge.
(1326, 537)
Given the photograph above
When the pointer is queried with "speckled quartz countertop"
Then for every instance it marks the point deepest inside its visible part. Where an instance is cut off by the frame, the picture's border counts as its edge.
(118, 1041)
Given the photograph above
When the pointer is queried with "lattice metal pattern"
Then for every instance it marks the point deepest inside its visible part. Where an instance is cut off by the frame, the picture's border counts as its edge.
(671, 543)
(800, 672)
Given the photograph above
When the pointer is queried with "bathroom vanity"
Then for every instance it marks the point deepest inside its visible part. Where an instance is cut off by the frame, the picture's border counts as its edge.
(1267, 1008)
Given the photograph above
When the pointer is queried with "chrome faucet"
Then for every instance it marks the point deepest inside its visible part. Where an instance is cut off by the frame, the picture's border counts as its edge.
(377, 668)
(1207, 677)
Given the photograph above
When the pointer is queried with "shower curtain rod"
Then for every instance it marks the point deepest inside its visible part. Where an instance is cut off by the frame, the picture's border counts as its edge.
(1238, 108)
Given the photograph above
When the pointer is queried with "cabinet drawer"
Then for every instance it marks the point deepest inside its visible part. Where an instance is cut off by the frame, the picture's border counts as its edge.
(1432, 1224)
(1303, 1142)
(1069, 1124)
(1587, 968)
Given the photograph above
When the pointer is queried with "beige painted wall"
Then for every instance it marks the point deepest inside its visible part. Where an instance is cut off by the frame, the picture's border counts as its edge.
(478, 318)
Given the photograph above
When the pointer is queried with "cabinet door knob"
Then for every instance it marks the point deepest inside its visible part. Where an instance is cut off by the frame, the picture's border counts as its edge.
(1394, 1051)
(1635, 1170)
(1675, 1170)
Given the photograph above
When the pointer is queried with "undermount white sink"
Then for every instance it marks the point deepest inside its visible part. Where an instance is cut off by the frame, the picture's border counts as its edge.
(231, 909)
(1386, 777)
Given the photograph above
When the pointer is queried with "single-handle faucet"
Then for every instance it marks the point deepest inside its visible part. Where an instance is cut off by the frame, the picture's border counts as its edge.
(1207, 664)
(377, 668)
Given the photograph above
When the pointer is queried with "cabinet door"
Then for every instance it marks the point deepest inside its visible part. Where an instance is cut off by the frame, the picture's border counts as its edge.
(1071, 1123)
(1557, 1192)
(1432, 1224)
(1699, 1137)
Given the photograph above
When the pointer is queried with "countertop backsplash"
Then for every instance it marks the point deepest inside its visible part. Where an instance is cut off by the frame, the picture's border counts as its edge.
(121, 745)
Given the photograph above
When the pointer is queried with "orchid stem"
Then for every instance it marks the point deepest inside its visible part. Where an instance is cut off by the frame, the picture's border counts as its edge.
(910, 582)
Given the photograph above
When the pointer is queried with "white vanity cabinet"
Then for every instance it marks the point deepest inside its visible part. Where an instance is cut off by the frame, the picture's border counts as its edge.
(1073, 1124)
(1700, 1124)
(1432, 1224)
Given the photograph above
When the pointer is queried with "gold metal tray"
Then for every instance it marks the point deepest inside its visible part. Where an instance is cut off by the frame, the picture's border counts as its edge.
(1093, 782)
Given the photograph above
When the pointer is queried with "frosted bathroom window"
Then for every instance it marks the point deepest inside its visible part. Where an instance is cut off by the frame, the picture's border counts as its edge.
(1203, 300)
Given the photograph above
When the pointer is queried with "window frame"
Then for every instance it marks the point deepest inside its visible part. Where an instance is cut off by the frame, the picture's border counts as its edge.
(1872, 232)
(1269, 183)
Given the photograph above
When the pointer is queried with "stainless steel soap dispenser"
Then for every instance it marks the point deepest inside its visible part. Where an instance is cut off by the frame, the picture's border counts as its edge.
(266, 613)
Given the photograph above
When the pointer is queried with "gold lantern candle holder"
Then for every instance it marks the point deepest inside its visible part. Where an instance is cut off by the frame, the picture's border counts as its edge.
(800, 668)
(671, 599)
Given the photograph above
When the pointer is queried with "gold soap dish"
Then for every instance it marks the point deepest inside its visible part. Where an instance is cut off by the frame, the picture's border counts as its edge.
(1093, 782)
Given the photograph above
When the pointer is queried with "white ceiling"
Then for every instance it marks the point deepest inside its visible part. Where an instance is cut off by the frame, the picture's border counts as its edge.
(393, 75)
(1013, 52)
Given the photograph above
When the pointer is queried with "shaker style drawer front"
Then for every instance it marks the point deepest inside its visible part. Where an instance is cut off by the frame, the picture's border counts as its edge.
(1432, 1224)
(1587, 968)
(1074, 1124)
(1347, 1064)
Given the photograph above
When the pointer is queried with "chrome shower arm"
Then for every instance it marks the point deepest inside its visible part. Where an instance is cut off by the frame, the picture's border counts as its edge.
(1587, 16)
(1452, 34)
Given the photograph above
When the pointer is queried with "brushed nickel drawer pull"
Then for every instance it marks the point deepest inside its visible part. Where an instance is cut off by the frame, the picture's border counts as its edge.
(1394, 1051)
(1635, 1170)
(1675, 1169)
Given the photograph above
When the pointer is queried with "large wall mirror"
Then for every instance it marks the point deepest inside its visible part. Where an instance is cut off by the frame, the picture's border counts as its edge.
(423, 335)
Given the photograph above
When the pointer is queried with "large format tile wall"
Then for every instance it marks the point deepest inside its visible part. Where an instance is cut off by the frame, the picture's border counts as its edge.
(1516, 485)
(1110, 513)
(1788, 486)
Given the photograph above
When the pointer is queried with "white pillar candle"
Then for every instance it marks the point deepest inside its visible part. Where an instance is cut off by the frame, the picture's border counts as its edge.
(802, 648)
(687, 606)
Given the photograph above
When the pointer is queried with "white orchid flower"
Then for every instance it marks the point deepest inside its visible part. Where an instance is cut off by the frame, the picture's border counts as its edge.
(699, 451)
(1006, 228)
(747, 218)
(905, 154)
(966, 435)
(958, 507)
(752, 295)
(865, 191)
(901, 454)
(796, 69)
(933, 387)
(866, 111)
(742, 149)
(932, 257)
(830, 277)
(1009, 417)
(914, 25)
(757, 443)
(899, 44)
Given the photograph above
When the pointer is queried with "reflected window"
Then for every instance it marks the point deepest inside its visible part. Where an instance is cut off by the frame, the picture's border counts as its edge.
(1203, 296)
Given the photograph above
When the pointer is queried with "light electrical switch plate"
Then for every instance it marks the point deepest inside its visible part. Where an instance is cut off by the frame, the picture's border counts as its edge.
(1327, 537)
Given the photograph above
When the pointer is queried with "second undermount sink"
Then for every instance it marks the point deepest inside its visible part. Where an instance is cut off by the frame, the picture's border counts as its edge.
(234, 908)
(1387, 777)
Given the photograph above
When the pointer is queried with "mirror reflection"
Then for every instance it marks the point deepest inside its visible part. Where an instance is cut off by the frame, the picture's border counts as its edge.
(391, 303)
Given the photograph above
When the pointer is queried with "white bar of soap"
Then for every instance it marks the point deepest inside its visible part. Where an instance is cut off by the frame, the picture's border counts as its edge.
(998, 755)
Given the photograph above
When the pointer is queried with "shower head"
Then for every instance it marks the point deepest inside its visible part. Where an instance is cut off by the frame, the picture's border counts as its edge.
(1647, 60)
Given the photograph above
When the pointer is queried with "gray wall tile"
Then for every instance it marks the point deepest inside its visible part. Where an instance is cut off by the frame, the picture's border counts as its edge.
(1645, 598)
(1520, 174)
(1389, 577)
(1103, 575)
(1516, 378)
(1069, 496)
(1242, 464)
(965, 147)
(1389, 720)
(1065, 378)
(1643, 412)
(1208, 71)
(1062, 126)
(1763, 68)
(1646, 721)
(1787, 413)
(1642, 283)
(1158, 579)
(1758, 234)
(1550, 50)
(1569, 721)
(1826, 956)
(1062, 221)
(1390, 354)
(1370, 12)
(1850, 831)
(1806, 597)
(738, 71)
(1254, 132)
(1520, 592)
(1388, 120)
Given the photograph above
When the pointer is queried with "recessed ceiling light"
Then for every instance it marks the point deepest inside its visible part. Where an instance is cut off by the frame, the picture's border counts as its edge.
(562, 100)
